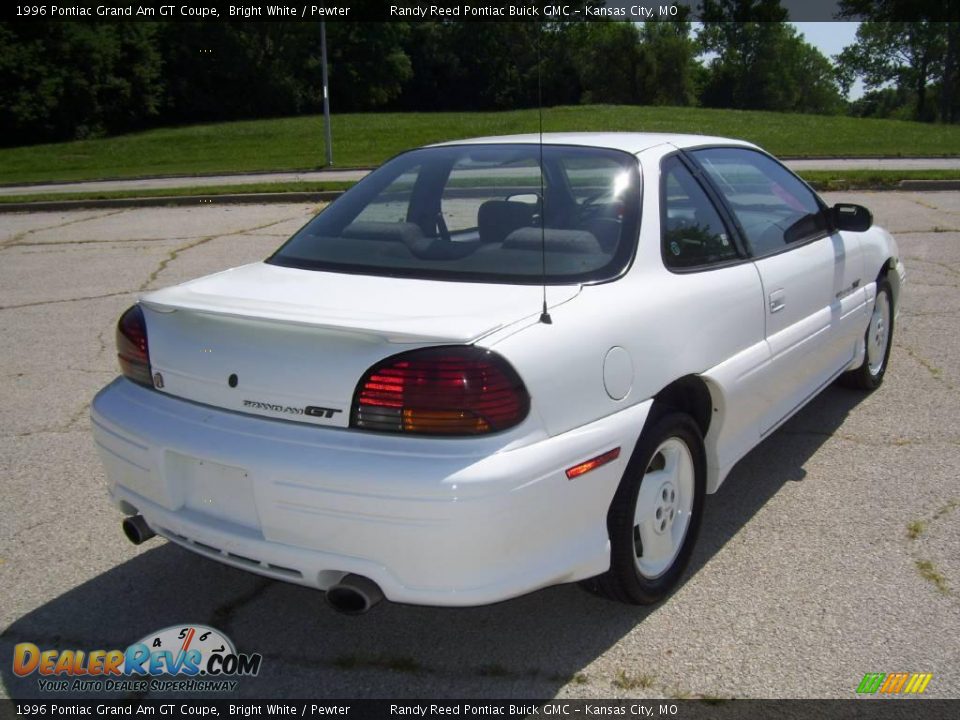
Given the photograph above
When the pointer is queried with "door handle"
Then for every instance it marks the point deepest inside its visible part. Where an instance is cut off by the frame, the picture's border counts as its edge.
(778, 300)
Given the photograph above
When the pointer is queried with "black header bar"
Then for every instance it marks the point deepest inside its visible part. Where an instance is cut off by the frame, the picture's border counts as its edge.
(451, 709)
(435, 11)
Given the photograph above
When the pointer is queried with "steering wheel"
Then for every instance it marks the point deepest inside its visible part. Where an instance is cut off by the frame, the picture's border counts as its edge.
(588, 206)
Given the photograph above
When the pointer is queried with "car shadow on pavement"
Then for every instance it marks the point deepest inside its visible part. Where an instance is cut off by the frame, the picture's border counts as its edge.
(527, 647)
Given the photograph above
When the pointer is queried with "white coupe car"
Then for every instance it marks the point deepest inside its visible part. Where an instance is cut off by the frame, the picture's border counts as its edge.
(495, 365)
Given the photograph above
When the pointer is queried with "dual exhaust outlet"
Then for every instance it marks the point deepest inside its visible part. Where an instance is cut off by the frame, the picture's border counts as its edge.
(137, 530)
(352, 595)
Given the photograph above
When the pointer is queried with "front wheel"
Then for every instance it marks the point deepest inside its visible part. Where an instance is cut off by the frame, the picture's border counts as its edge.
(878, 340)
(655, 516)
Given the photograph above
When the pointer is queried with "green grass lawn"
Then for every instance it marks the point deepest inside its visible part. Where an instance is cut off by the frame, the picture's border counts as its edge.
(368, 139)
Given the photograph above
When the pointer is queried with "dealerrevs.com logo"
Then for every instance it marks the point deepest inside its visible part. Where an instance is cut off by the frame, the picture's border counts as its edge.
(187, 658)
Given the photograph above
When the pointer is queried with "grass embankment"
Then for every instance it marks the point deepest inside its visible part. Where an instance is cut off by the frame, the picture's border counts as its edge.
(368, 139)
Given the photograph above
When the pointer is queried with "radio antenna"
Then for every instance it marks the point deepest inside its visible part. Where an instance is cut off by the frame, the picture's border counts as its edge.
(544, 313)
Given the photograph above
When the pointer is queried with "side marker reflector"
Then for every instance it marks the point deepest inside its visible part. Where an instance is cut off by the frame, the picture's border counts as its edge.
(593, 463)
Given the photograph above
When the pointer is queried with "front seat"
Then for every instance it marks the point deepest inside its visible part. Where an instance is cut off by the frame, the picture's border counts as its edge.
(498, 218)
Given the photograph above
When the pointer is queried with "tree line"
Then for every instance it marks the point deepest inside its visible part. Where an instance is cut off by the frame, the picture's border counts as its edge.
(67, 80)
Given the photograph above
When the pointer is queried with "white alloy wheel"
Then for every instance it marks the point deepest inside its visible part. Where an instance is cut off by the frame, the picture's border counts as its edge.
(878, 339)
(878, 334)
(656, 512)
(664, 508)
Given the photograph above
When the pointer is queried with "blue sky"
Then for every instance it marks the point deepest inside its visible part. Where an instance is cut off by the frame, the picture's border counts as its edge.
(831, 38)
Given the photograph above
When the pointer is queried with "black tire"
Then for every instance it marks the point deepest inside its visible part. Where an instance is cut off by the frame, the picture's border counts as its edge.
(624, 581)
(870, 374)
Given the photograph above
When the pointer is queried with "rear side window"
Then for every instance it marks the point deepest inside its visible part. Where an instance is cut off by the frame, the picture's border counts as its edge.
(774, 208)
(692, 231)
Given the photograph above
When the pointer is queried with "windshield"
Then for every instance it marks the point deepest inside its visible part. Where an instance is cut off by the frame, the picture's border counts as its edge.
(481, 213)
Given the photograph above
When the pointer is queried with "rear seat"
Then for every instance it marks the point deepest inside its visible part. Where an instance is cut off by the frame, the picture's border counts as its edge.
(553, 240)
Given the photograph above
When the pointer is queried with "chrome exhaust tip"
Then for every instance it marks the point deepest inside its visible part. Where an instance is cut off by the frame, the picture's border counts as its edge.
(354, 595)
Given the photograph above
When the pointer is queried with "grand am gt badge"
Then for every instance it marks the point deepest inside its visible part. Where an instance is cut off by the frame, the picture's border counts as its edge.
(310, 410)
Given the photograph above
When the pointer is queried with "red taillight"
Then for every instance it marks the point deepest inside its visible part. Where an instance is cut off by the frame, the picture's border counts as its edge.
(132, 349)
(441, 391)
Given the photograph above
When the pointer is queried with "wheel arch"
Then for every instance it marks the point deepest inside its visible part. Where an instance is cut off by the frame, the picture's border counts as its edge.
(689, 394)
(889, 271)
(703, 399)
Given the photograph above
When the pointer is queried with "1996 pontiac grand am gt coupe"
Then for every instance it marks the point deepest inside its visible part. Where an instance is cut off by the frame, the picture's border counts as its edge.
(495, 365)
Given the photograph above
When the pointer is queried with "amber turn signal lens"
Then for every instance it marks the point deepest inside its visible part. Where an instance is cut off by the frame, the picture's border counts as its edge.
(592, 463)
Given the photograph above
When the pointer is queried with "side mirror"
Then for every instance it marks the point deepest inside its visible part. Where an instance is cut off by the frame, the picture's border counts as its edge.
(855, 218)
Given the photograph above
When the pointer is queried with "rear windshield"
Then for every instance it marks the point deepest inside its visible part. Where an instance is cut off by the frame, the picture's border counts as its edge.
(481, 213)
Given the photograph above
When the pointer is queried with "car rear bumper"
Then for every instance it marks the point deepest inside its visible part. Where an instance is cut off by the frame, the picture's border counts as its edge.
(431, 521)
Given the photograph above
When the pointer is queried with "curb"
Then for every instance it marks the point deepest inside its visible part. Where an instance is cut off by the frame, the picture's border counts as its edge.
(902, 186)
(173, 201)
(929, 185)
(370, 168)
(328, 195)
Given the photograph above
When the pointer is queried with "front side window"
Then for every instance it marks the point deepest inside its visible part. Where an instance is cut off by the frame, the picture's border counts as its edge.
(510, 213)
(692, 232)
(773, 207)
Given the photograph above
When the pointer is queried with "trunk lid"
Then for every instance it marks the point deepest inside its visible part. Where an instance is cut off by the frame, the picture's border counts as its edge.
(292, 344)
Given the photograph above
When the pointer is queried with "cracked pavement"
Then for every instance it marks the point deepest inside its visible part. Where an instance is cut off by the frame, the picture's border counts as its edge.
(832, 550)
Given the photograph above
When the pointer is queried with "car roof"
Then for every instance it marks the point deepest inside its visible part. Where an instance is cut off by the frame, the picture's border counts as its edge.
(632, 142)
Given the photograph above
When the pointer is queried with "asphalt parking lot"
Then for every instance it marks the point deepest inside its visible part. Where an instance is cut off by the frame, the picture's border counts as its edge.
(832, 550)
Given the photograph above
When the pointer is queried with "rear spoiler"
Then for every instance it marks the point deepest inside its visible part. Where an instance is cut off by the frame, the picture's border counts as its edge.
(410, 330)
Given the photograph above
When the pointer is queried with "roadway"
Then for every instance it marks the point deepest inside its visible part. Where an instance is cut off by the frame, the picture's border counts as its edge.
(352, 175)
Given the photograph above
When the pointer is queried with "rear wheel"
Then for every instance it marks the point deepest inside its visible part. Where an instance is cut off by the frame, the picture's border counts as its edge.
(656, 513)
(878, 341)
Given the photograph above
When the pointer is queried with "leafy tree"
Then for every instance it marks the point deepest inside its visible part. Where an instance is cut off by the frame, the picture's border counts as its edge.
(761, 62)
(813, 78)
(434, 63)
(928, 53)
(669, 62)
(889, 102)
(608, 59)
(471, 66)
(909, 54)
(562, 84)
(75, 80)
(368, 63)
(464, 66)
(263, 69)
(224, 71)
